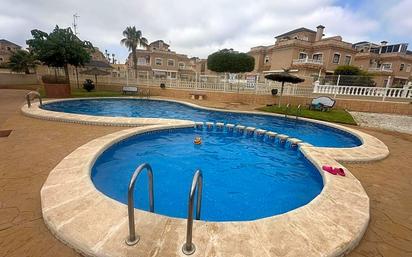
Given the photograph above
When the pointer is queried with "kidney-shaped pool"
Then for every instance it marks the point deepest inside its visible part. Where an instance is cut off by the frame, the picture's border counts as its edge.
(244, 177)
(313, 133)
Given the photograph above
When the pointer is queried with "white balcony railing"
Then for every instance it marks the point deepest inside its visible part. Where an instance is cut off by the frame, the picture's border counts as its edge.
(308, 61)
(380, 69)
(382, 92)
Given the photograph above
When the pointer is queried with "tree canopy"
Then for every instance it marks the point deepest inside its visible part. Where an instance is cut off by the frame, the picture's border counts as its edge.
(348, 70)
(22, 61)
(59, 48)
(227, 60)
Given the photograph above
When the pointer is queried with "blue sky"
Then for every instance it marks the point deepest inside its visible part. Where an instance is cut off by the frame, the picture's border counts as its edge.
(198, 28)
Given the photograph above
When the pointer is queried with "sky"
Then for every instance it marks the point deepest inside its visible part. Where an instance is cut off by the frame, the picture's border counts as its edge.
(200, 27)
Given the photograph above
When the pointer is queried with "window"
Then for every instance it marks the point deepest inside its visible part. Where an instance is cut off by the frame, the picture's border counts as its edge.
(8, 48)
(402, 67)
(170, 62)
(386, 66)
(159, 61)
(348, 58)
(336, 58)
(181, 65)
(159, 74)
(317, 56)
(267, 59)
(408, 68)
(171, 75)
(302, 55)
(141, 61)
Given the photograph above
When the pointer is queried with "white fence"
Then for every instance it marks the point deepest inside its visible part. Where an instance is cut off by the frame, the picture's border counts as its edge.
(261, 88)
(380, 92)
(240, 86)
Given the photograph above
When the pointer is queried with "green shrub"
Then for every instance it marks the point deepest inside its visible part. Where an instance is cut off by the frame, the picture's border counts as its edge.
(88, 85)
(353, 76)
(227, 60)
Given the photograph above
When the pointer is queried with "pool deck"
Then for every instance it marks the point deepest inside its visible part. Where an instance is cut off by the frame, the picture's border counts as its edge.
(22, 231)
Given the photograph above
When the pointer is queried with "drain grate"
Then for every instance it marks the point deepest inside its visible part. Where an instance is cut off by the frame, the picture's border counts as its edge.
(5, 133)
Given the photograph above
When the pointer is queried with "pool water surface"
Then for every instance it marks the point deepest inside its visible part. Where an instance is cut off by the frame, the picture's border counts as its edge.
(313, 133)
(244, 178)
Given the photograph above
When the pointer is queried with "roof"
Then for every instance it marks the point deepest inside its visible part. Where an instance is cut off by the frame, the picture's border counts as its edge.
(362, 42)
(4, 41)
(154, 42)
(99, 64)
(296, 31)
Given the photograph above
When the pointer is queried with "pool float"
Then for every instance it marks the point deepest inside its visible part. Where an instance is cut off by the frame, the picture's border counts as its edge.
(197, 141)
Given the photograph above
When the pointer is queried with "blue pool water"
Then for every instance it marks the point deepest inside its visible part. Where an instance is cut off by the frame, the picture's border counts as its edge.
(316, 134)
(244, 178)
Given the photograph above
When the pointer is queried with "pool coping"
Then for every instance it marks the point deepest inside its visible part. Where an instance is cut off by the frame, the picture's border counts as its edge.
(371, 149)
(93, 224)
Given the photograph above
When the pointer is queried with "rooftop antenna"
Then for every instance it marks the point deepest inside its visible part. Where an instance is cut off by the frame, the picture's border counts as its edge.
(75, 17)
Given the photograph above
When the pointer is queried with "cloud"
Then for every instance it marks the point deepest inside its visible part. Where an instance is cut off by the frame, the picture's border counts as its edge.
(398, 18)
(195, 28)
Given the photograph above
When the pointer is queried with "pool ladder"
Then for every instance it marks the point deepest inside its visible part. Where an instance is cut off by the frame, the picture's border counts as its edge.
(298, 111)
(197, 183)
(31, 95)
(287, 110)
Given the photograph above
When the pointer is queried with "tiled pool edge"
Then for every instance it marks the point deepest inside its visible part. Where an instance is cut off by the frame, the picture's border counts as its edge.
(95, 225)
(372, 149)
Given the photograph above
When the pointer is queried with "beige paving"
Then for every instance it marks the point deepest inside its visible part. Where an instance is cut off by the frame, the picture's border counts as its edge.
(96, 219)
(23, 233)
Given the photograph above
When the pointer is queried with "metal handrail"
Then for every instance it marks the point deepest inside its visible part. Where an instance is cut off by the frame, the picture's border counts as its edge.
(197, 182)
(298, 111)
(133, 238)
(287, 110)
(36, 94)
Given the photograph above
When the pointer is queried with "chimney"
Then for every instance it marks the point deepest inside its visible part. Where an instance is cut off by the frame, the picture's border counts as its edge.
(383, 43)
(319, 32)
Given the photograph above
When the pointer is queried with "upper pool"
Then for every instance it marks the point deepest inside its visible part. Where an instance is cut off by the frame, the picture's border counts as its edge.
(313, 133)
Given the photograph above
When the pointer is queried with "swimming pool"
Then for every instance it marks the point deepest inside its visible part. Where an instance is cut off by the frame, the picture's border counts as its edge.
(313, 133)
(244, 177)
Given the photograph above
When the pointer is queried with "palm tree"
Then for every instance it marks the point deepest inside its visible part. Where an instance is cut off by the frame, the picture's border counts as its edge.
(133, 39)
(22, 61)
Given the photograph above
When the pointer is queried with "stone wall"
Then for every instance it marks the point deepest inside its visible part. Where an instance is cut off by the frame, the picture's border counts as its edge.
(19, 81)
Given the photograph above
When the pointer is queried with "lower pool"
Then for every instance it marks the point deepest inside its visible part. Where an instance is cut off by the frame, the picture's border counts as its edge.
(244, 177)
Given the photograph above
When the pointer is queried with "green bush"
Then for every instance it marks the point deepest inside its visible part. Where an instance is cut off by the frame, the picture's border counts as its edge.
(88, 85)
(347, 70)
(227, 60)
(353, 76)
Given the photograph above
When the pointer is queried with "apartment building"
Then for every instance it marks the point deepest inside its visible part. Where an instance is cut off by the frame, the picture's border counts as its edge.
(158, 61)
(306, 52)
(390, 64)
(6, 50)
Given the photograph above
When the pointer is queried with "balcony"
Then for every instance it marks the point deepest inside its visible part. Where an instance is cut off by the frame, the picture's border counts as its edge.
(307, 61)
(380, 69)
